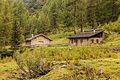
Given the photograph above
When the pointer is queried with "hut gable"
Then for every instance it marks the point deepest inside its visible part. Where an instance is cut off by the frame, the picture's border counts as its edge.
(87, 37)
(38, 40)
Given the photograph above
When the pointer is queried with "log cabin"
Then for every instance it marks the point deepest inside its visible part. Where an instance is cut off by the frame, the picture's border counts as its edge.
(87, 38)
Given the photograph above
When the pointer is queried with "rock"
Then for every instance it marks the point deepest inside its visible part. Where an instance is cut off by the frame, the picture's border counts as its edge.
(64, 66)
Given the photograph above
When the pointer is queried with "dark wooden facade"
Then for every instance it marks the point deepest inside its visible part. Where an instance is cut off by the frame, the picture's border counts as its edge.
(87, 38)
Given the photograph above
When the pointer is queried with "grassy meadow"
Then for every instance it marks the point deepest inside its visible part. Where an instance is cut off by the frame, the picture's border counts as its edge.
(93, 57)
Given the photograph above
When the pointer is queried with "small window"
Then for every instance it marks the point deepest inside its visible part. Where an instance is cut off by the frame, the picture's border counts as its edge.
(40, 41)
(92, 40)
(97, 41)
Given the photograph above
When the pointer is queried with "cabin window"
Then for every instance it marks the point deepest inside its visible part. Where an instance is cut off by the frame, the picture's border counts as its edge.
(92, 40)
(97, 41)
(40, 41)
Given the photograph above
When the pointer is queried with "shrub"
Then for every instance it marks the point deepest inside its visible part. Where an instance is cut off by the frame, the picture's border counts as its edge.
(31, 66)
(6, 53)
(88, 73)
(36, 62)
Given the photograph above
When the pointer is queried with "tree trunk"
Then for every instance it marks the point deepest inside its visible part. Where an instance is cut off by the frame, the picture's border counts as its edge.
(74, 30)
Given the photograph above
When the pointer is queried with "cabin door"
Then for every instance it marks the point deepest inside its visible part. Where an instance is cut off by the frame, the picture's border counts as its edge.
(76, 42)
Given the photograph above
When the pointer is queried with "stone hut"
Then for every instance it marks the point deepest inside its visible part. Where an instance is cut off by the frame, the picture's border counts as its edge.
(87, 38)
(38, 40)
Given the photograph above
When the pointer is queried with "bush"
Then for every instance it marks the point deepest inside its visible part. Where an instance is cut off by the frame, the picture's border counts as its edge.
(37, 62)
(88, 73)
(31, 66)
(113, 26)
(6, 53)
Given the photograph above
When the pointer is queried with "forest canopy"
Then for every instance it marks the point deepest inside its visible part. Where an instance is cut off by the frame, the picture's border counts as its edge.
(21, 18)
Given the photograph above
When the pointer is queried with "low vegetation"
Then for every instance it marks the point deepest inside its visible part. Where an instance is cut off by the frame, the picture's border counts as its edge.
(71, 53)
(65, 62)
(6, 66)
(76, 69)
(59, 19)
(112, 40)
(99, 69)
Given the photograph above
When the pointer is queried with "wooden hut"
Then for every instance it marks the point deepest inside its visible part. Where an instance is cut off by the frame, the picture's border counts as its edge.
(38, 40)
(87, 38)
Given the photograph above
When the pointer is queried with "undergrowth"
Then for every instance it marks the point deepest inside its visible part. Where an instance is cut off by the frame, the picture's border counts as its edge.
(71, 53)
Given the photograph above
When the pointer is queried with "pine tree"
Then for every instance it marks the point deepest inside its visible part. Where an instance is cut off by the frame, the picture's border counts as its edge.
(107, 11)
(6, 23)
(81, 14)
(53, 18)
(91, 13)
(19, 23)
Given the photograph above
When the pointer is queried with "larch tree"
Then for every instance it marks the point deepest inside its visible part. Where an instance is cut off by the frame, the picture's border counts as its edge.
(81, 14)
(19, 23)
(53, 17)
(6, 23)
(91, 13)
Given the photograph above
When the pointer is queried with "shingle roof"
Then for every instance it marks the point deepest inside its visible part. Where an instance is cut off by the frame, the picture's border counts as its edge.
(29, 39)
(86, 34)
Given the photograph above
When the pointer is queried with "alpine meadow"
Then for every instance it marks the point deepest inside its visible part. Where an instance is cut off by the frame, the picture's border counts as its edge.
(59, 39)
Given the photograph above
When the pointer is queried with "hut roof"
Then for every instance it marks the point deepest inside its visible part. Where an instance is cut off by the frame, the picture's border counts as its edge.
(29, 39)
(86, 34)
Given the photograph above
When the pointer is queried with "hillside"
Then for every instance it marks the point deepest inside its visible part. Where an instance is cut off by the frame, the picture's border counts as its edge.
(34, 42)
(67, 59)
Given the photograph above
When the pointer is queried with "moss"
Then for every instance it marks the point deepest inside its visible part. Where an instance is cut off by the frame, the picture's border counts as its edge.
(6, 68)
(56, 74)
(110, 65)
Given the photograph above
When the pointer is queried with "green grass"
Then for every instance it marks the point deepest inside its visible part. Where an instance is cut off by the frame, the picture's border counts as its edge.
(61, 38)
(106, 64)
(6, 66)
(71, 53)
(112, 40)
(98, 56)
(55, 74)
(111, 66)
(95, 56)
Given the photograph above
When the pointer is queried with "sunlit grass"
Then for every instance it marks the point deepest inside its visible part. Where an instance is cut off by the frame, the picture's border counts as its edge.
(97, 56)
(6, 66)
(109, 65)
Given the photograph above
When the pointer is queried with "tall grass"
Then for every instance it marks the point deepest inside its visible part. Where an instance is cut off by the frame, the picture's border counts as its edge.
(71, 53)
(36, 62)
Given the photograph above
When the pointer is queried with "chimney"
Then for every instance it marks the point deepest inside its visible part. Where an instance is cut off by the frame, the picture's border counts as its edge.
(32, 35)
(94, 30)
(83, 30)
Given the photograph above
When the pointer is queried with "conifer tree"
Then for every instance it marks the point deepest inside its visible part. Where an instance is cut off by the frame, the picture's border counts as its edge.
(19, 23)
(6, 23)
(91, 13)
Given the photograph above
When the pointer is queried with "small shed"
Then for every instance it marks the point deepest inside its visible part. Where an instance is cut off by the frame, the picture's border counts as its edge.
(38, 40)
(87, 38)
